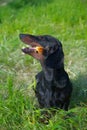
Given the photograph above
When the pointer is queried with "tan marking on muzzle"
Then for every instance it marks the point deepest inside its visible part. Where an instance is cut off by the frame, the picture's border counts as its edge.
(39, 49)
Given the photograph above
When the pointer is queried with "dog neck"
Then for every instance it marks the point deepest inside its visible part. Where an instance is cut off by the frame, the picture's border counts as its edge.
(48, 72)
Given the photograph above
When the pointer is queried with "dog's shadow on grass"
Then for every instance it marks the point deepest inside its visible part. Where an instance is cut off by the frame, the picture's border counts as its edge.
(79, 94)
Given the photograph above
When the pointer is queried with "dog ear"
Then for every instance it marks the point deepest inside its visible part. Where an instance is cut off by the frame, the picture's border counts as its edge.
(55, 60)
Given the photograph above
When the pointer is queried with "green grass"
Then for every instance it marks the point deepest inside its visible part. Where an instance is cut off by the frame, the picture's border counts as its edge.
(67, 21)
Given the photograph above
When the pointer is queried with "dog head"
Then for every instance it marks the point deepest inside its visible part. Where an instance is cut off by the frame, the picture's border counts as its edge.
(46, 49)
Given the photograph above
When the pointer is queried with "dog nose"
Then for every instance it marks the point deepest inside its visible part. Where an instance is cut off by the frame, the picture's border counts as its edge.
(21, 36)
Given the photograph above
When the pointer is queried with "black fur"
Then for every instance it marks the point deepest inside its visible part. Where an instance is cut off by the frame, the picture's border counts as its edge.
(53, 87)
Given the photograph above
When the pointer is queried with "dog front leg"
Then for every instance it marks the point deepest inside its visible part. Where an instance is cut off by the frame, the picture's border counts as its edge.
(65, 105)
(47, 98)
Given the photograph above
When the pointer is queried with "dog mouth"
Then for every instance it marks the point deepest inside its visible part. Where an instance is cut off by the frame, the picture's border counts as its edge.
(33, 49)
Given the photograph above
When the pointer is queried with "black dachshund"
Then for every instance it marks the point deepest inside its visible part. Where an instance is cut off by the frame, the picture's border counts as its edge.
(53, 87)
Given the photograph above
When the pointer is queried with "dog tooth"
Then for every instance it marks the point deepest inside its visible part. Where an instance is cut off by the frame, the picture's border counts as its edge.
(27, 45)
(23, 53)
(23, 47)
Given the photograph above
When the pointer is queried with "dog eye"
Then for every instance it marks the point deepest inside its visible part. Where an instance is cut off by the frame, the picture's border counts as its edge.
(36, 51)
